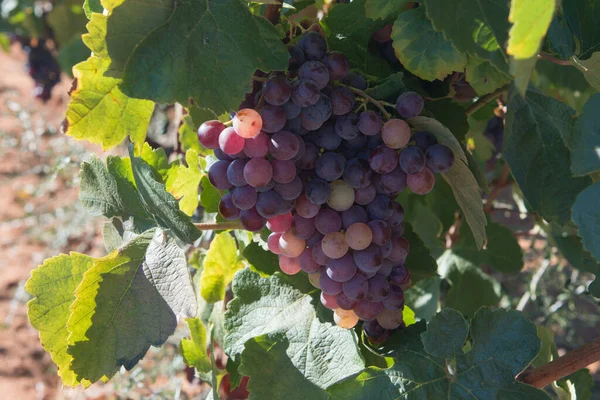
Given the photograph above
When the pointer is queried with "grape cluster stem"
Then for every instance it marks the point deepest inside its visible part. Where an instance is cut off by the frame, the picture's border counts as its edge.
(376, 103)
(484, 100)
(219, 226)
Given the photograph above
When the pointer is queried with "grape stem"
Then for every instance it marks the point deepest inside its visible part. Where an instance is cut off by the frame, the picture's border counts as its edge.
(502, 183)
(259, 78)
(484, 100)
(273, 12)
(219, 226)
(376, 103)
(554, 59)
(562, 366)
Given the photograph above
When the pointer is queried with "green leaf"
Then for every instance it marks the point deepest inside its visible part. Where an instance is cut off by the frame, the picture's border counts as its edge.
(538, 159)
(388, 88)
(323, 352)
(210, 196)
(273, 374)
(478, 27)
(383, 9)
(422, 50)
(99, 112)
(262, 260)
(183, 183)
(202, 45)
(220, 265)
(161, 204)
(560, 38)
(460, 178)
(92, 6)
(52, 285)
(585, 142)
(590, 69)
(531, 19)
(424, 297)
(586, 216)
(442, 201)
(521, 69)
(72, 53)
(471, 288)
(502, 343)
(578, 385)
(419, 260)
(193, 350)
(188, 137)
(67, 20)
(451, 115)
(483, 77)
(582, 17)
(114, 317)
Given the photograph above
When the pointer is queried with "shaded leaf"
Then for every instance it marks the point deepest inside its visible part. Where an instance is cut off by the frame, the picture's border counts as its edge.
(585, 141)
(382, 9)
(424, 297)
(419, 260)
(582, 17)
(586, 216)
(590, 69)
(483, 77)
(262, 260)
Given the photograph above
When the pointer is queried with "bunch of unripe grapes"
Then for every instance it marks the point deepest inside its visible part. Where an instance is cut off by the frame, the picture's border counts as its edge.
(323, 179)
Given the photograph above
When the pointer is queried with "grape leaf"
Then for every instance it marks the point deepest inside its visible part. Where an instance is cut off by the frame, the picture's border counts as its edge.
(220, 265)
(460, 178)
(52, 285)
(382, 9)
(531, 20)
(188, 137)
(479, 28)
(262, 260)
(590, 69)
(585, 141)
(96, 101)
(323, 352)
(450, 114)
(582, 17)
(502, 344)
(183, 183)
(388, 87)
(161, 204)
(273, 374)
(560, 38)
(92, 6)
(117, 314)
(422, 50)
(471, 288)
(67, 20)
(193, 350)
(210, 196)
(72, 53)
(483, 76)
(423, 297)
(535, 151)
(521, 70)
(419, 260)
(200, 46)
(587, 217)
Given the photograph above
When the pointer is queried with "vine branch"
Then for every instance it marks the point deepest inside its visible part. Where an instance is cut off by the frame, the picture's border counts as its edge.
(562, 366)
(371, 100)
(219, 226)
(502, 181)
(553, 59)
(485, 100)
(273, 12)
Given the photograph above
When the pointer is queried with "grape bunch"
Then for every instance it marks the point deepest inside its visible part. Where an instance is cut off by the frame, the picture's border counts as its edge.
(42, 68)
(323, 177)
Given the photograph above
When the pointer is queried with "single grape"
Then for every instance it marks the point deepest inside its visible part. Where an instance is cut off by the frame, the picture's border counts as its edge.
(247, 123)
(290, 245)
(307, 263)
(383, 160)
(368, 260)
(244, 197)
(269, 186)
(314, 239)
(289, 191)
(378, 288)
(341, 269)
(222, 156)
(277, 90)
(359, 236)
(284, 171)
(400, 248)
(291, 111)
(346, 126)
(382, 207)
(303, 227)
(317, 254)
(395, 133)
(280, 223)
(344, 302)
(273, 118)
(390, 319)
(258, 146)
(294, 125)
(328, 221)
(227, 209)
(289, 265)
(334, 245)
(357, 173)
(368, 310)
(365, 195)
(386, 248)
(423, 140)
(301, 149)
(386, 268)
(353, 215)
(286, 206)
(296, 56)
(382, 232)
(395, 298)
(317, 191)
(217, 175)
(313, 117)
(393, 182)
(315, 279)
(342, 100)
(356, 288)
(305, 208)
(397, 230)
(235, 173)
(267, 204)
(374, 330)
(356, 80)
(208, 133)
(397, 217)
(230, 142)
(305, 93)
(273, 243)
(309, 158)
(358, 142)
(421, 183)
(326, 137)
(328, 285)
(338, 65)
(409, 104)
(284, 145)
(252, 220)
(315, 71)
(329, 301)
(370, 123)
(330, 166)
(412, 160)
(439, 158)
(345, 319)
(313, 45)
(258, 172)
(342, 196)
(383, 35)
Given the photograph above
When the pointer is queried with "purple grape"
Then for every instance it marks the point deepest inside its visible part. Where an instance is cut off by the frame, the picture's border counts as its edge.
(252, 220)
(217, 175)
(235, 173)
(365, 195)
(277, 90)
(356, 288)
(258, 146)
(378, 288)
(267, 204)
(318, 255)
(374, 330)
(370, 123)
(357, 173)
(412, 160)
(305, 93)
(386, 248)
(314, 239)
(329, 301)
(305, 208)
(307, 264)
(244, 197)
(284, 171)
(258, 172)
(346, 126)
(284, 145)
(316, 71)
(382, 207)
(289, 191)
(386, 268)
(409, 104)
(382, 233)
(397, 217)
(313, 45)
(317, 191)
(338, 65)
(353, 215)
(356, 80)
(368, 310)
(221, 155)
(341, 269)
(208, 133)
(286, 206)
(227, 209)
(273, 118)
(342, 100)
(309, 158)
(265, 188)
(296, 56)
(291, 111)
(344, 302)
(327, 221)
(383, 160)
(439, 158)
(330, 166)
(326, 137)
(302, 227)
(423, 140)
(395, 298)
(400, 248)
(329, 286)
(393, 182)
(313, 117)
(368, 260)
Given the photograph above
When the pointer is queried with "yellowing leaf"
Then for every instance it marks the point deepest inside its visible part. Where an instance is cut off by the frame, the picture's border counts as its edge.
(183, 183)
(531, 19)
(220, 264)
(193, 350)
